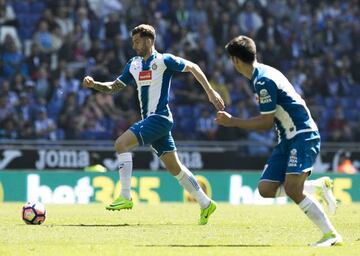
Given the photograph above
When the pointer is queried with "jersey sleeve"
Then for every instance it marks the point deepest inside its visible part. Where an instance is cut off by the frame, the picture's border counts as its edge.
(174, 63)
(126, 76)
(266, 90)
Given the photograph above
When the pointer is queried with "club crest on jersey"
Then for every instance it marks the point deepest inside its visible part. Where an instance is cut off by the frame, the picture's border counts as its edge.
(264, 97)
(154, 66)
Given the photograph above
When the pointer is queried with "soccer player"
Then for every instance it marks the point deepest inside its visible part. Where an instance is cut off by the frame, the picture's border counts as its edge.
(152, 72)
(299, 140)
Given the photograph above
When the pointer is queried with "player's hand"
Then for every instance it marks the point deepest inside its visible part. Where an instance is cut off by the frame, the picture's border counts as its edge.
(223, 118)
(88, 82)
(216, 100)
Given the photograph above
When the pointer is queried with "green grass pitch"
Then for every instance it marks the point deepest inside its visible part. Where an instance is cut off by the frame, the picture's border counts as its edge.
(171, 229)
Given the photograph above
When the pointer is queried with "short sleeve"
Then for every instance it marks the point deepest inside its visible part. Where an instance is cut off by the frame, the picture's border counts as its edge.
(266, 90)
(174, 63)
(126, 76)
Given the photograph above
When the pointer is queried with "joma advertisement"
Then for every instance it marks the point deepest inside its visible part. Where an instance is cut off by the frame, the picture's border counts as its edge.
(42, 159)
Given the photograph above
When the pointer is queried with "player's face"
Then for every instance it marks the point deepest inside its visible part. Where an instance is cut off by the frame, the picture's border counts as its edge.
(140, 45)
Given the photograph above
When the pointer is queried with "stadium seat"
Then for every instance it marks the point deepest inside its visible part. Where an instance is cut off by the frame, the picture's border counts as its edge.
(346, 102)
(60, 134)
(21, 7)
(37, 7)
(330, 102)
(356, 90)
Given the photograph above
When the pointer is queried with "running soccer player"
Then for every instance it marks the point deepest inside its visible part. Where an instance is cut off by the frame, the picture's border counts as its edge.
(299, 140)
(152, 72)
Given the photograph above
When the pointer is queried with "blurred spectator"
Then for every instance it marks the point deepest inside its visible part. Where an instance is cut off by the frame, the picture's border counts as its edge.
(12, 96)
(26, 131)
(35, 60)
(43, 38)
(64, 22)
(268, 32)
(24, 110)
(338, 127)
(42, 86)
(181, 14)
(205, 125)
(221, 29)
(112, 26)
(6, 109)
(18, 83)
(8, 129)
(45, 128)
(249, 19)
(67, 114)
(12, 58)
(198, 16)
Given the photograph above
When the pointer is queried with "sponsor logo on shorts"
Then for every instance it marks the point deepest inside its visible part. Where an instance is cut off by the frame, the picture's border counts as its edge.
(293, 158)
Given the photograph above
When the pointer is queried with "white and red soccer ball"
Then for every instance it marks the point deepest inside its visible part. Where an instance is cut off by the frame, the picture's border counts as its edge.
(33, 213)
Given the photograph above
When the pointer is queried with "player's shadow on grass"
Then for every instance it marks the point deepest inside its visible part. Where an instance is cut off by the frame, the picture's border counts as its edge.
(93, 225)
(206, 245)
(114, 225)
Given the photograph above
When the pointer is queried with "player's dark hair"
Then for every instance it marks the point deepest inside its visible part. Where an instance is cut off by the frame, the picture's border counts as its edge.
(144, 30)
(242, 47)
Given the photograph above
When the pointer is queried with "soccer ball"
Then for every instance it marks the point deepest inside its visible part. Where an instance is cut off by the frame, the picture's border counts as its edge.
(33, 213)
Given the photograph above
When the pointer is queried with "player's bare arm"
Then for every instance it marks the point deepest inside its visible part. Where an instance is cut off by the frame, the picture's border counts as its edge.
(105, 87)
(257, 123)
(214, 96)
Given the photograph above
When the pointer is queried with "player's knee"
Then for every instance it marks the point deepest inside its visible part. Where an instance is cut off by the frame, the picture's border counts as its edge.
(266, 192)
(173, 168)
(120, 146)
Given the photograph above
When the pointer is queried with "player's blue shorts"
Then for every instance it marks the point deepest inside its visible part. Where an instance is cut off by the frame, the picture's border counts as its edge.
(293, 156)
(156, 131)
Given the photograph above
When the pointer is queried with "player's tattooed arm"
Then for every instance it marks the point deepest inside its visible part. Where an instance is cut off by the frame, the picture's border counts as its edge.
(108, 87)
(105, 87)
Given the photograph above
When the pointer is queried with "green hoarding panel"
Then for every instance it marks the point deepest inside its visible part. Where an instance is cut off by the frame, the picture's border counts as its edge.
(149, 187)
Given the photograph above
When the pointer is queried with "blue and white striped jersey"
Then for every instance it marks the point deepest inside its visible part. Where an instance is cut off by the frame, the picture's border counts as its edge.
(275, 94)
(153, 78)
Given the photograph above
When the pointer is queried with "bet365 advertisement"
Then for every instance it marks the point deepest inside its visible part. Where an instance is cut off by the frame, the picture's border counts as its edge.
(147, 187)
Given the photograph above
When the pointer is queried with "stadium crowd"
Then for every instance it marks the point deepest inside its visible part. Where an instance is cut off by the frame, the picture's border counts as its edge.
(47, 47)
